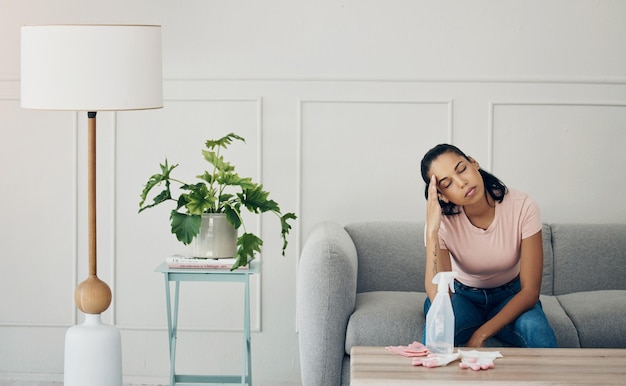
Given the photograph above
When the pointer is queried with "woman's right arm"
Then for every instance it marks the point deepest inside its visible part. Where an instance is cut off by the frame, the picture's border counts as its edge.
(437, 260)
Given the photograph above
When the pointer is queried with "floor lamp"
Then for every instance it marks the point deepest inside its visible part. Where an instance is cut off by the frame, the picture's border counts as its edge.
(92, 68)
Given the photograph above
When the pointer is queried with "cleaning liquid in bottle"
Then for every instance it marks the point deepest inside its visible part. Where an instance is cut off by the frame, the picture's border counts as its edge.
(440, 317)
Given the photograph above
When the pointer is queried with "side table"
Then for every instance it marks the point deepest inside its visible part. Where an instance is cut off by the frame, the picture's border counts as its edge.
(208, 275)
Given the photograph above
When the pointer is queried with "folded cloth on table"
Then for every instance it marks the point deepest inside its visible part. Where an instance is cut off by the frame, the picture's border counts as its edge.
(415, 349)
(478, 360)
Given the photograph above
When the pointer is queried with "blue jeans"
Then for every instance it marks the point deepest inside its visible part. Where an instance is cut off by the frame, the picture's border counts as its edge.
(474, 306)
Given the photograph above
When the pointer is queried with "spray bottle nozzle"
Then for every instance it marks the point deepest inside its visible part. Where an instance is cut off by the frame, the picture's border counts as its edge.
(445, 280)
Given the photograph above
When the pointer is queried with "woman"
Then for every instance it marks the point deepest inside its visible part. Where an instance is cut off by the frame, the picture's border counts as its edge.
(491, 236)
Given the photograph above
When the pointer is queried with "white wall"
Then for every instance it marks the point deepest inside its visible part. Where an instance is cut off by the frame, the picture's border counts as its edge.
(339, 100)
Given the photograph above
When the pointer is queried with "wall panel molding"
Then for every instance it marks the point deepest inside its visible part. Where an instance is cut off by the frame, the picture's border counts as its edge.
(386, 78)
(74, 230)
(180, 77)
(302, 102)
(493, 105)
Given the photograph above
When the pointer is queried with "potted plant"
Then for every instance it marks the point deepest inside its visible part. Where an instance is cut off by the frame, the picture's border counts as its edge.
(220, 190)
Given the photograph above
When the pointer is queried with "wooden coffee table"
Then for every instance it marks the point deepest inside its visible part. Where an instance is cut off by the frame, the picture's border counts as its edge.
(519, 366)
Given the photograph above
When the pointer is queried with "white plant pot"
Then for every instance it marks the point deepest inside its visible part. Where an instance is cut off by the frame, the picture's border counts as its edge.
(217, 238)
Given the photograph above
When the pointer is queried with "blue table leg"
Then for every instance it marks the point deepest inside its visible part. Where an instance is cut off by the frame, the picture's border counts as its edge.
(174, 333)
(172, 325)
(247, 362)
(170, 334)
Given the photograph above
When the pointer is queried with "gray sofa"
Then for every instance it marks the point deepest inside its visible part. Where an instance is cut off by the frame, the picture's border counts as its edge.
(363, 285)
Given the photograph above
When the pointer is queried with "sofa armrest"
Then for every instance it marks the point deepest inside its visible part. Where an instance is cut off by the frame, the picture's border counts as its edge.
(326, 294)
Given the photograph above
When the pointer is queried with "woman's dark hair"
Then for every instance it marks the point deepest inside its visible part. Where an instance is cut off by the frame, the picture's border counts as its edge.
(493, 186)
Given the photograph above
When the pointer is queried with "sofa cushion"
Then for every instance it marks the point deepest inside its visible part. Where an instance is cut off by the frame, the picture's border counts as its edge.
(566, 335)
(598, 317)
(589, 257)
(386, 318)
(391, 255)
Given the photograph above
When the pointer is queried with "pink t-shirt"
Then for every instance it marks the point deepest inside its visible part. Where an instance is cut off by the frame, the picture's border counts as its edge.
(490, 258)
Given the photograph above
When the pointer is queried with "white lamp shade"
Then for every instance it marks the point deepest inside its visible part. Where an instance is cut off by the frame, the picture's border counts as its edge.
(91, 67)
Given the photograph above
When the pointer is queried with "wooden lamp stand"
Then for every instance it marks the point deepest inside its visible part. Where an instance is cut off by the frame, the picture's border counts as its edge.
(92, 296)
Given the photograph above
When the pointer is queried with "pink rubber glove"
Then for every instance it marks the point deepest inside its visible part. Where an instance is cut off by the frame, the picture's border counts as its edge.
(415, 349)
(435, 360)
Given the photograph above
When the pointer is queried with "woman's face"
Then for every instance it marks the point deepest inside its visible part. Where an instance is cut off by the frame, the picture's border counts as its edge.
(458, 179)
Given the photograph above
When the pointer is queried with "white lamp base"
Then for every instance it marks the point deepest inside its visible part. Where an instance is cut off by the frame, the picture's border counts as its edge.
(93, 354)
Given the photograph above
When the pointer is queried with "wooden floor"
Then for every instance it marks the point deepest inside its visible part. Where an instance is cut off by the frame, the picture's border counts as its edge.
(377, 366)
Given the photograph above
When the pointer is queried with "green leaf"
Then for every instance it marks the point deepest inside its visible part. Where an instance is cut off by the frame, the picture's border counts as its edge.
(233, 179)
(182, 201)
(208, 178)
(225, 197)
(224, 141)
(257, 200)
(185, 226)
(165, 195)
(199, 199)
(285, 228)
(154, 180)
(247, 243)
(218, 162)
(232, 215)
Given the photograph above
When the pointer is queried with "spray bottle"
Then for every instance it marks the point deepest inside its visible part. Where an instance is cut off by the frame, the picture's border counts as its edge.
(440, 317)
